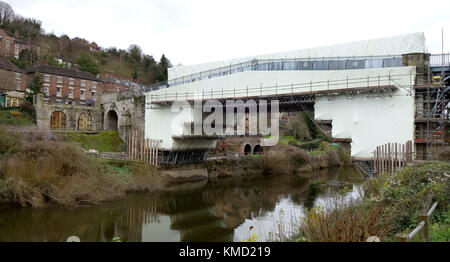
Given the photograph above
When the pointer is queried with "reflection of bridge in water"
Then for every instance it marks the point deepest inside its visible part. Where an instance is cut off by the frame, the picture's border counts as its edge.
(210, 213)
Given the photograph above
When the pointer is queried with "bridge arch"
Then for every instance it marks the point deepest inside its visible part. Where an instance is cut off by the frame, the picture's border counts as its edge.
(247, 149)
(257, 149)
(111, 120)
(58, 120)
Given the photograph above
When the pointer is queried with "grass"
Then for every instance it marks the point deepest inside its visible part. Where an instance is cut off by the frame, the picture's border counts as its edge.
(105, 141)
(15, 117)
(287, 140)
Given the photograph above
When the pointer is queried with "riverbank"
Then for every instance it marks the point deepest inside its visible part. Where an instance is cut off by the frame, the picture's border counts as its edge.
(390, 205)
(41, 169)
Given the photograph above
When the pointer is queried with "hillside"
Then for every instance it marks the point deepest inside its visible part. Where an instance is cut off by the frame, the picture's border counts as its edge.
(88, 56)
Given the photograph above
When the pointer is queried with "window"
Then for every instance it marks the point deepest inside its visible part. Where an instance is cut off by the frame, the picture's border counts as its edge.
(58, 91)
(46, 90)
(82, 95)
(46, 78)
(71, 93)
(71, 81)
(7, 43)
(83, 82)
(16, 49)
(60, 79)
(94, 84)
(18, 77)
(18, 86)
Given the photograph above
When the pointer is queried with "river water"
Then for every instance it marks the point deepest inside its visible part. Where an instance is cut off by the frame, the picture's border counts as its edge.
(225, 210)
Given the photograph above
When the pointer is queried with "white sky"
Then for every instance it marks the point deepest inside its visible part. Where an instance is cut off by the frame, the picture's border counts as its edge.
(198, 31)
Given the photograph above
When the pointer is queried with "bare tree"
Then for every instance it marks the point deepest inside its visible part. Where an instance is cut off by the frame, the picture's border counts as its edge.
(6, 13)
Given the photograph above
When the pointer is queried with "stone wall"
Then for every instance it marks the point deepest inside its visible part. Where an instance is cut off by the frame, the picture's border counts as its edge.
(130, 111)
(422, 63)
(72, 113)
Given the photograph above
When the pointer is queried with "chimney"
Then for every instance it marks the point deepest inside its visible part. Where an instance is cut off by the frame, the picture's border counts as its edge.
(75, 68)
(16, 34)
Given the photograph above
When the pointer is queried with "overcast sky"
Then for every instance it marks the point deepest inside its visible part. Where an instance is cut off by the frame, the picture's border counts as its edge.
(198, 31)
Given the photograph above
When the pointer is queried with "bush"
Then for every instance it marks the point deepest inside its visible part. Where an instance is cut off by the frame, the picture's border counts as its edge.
(333, 158)
(411, 192)
(299, 128)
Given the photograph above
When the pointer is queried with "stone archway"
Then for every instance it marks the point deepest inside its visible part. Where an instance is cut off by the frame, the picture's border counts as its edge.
(257, 149)
(247, 149)
(111, 120)
(58, 120)
(85, 122)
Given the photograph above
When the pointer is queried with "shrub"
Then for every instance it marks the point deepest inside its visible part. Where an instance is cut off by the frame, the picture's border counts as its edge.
(333, 158)
(299, 128)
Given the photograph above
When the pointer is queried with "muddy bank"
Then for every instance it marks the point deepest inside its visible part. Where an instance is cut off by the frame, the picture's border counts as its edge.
(276, 161)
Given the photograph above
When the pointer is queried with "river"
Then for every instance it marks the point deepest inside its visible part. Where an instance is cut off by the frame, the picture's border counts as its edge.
(226, 210)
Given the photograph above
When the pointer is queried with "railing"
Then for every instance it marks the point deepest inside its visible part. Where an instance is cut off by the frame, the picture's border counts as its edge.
(321, 63)
(440, 59)
(288, 89)
(423, 227)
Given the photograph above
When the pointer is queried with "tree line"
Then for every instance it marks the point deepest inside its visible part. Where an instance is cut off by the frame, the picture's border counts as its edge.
(131, 62)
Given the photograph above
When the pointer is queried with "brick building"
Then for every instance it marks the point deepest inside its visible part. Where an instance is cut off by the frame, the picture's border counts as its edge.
(12, 45)
(113, 84)
(67, 86)
(13, 84)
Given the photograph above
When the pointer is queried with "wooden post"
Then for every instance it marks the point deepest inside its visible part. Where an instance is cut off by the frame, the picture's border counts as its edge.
(382, 158)
(132, 144)
(156, 158)
(396, 157)
(136, 139)
(129, 145)
(151, 152)
(154, 153)
(401, 237)
(392, 159)
(142, 147)
(403, 155)
(389, 157)
(426, 229)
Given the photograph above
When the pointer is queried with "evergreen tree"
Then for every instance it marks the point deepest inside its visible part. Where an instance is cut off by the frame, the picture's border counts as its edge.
(35, 87)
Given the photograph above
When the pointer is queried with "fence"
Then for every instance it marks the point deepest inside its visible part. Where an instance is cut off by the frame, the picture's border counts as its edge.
(141, 149)
(440, 59)
(423, 226)
(316, 87)
(392, 157)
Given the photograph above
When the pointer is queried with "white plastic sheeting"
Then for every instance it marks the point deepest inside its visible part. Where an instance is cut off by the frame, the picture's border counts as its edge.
(369, 120)
(395, 45)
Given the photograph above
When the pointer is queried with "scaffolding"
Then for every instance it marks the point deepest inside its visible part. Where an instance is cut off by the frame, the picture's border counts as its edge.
(432, 102)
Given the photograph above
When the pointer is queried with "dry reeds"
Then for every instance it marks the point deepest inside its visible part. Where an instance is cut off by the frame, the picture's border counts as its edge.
(349, 223)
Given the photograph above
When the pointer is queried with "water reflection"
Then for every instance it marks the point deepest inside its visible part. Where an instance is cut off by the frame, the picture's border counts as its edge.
(218, 211)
